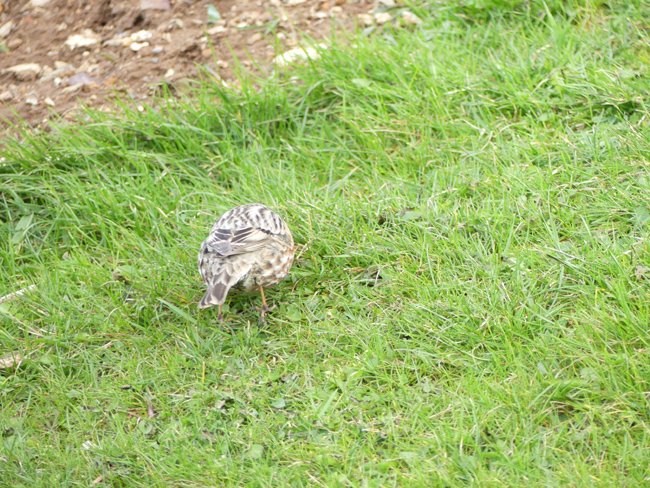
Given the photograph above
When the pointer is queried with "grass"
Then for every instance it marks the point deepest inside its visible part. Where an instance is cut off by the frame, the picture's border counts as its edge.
(472, 298)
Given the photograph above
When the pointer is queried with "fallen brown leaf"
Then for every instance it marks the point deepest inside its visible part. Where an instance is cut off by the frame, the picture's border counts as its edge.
(11, 360)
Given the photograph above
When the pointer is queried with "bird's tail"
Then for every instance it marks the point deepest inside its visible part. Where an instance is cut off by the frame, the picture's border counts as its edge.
(215, 295)
(221, 284)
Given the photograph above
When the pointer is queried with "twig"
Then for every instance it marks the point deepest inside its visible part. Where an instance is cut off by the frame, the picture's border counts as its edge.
(16, 294)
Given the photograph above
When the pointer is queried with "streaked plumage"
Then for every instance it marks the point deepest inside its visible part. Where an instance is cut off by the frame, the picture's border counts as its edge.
(250, 247)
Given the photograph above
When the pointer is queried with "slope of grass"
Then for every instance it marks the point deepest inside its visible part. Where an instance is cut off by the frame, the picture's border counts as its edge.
(471, 301)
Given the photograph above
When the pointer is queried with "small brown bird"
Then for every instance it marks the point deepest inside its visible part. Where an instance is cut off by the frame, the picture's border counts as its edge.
(250, 247)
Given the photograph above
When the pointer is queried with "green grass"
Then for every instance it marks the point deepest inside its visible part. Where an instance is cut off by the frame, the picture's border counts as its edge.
(471, 304)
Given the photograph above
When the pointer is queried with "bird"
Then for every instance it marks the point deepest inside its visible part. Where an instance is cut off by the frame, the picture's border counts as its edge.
(250, 247)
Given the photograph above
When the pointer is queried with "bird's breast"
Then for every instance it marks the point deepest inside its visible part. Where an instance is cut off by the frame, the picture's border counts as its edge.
(270, 267)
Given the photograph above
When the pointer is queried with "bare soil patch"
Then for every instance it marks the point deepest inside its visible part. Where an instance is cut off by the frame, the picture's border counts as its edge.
(55, 54)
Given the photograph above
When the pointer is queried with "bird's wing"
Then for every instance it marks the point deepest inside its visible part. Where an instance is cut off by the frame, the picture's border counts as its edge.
(229, 242)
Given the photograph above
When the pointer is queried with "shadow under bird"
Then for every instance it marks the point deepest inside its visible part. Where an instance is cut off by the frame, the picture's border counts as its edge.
(251, 248)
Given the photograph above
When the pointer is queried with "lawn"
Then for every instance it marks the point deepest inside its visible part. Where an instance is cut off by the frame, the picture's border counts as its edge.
(471, 299)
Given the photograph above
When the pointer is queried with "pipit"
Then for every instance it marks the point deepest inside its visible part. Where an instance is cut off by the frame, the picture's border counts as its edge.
(250, 248)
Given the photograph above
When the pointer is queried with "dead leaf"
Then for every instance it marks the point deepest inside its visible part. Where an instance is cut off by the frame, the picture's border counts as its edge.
(11, 360)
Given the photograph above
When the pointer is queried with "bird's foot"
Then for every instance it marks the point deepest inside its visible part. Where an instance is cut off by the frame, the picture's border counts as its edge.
(263, 310)
(220, 315)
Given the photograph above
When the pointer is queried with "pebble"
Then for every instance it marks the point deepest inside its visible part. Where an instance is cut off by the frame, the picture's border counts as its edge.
(25, 72)
(366, 19)
(5, 30)
(49, 102)
(14, 43)
(383, 17)
(62, 66)
(410, 18)
(220, 29)
(31, 100)
(255, 38)
(140, 36)
(175, 24)
(6, 96)
(118, 40)
(136, 46)
(154, 5)
(85, 39)
(81, 79)
(71, 89)
(297, 54)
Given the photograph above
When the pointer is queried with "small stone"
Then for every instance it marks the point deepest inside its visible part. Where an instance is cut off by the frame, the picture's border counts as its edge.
(294, 2)
(87, 445)
(366, 19)
(254, 38)
(387, 3)
(169, 73)
(40, 3)
(157, 49)
(14, 43)
(140, 36)
(81, 79)
(31, 100)
(383, 17)
(175, 24)
(118, 40)
(46, 74)
(154, 5)
(62, 66)
(49, 102)
(71, 89)
(85, 39)
(219, 29)
(136, 46)
(410, 18)
(6, 96)
(297, 54)
(5, 30)
(57, 81)
(25, 72)
(12, 360)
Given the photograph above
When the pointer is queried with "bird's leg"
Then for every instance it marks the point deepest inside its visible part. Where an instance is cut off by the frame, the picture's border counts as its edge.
(265, 308)
(220, 315)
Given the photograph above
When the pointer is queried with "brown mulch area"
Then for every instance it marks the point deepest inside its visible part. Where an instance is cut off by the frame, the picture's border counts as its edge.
(55, 54)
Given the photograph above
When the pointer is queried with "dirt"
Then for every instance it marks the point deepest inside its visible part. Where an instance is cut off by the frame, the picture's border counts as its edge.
(133, 46)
